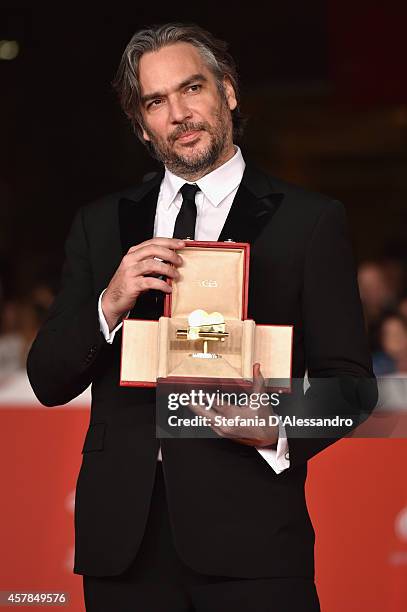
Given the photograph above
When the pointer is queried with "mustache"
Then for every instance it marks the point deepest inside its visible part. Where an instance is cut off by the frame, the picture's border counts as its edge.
(183, 129)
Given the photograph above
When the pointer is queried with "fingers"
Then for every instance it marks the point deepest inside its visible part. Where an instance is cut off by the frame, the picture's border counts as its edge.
(149, 282)
(154, 252)
(169, 243)
(201, 410)
(155, 267)
(258, 380)
(158, 247)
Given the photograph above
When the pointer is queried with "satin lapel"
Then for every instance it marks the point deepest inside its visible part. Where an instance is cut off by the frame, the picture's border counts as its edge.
(136, 220)
(253, 207)
(136, 215)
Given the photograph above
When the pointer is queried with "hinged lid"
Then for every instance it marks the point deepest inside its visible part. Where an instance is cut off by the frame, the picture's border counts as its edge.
(214, 277)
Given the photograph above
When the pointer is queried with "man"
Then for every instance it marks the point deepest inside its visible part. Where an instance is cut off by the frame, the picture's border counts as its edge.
(221, 523)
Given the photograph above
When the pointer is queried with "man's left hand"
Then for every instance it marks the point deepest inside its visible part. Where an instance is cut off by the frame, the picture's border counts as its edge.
(251, 435)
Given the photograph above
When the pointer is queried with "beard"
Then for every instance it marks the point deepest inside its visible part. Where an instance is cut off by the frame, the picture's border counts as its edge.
(193, 163)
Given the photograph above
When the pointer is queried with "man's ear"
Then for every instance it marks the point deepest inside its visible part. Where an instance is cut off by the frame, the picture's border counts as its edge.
(145, 135)
(140, 121)
(229, 92)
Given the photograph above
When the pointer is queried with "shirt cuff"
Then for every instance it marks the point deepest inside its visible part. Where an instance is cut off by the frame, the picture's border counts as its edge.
(104, 328)
(279, 458)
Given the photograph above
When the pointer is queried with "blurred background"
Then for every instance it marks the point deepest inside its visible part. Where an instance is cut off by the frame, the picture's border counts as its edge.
(323, 85)
(324, 88)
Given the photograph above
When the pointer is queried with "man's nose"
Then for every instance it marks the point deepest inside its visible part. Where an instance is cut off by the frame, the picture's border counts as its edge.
(179, 110)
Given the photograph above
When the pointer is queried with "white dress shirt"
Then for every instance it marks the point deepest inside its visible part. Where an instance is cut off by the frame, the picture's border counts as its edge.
(213, 202)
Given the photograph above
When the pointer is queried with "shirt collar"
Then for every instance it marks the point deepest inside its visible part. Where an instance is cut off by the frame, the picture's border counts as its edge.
(215, 185)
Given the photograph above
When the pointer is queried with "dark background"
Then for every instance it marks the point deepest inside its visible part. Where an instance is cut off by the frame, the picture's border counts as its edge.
(323, 85)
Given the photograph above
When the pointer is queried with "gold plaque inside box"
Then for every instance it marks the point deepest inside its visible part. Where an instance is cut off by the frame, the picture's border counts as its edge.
(185, 357)
(205, 333)
(205, 328)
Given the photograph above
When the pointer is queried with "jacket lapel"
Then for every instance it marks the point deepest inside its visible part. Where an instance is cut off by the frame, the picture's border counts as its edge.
(253, 207)
(136, 221)
(137, 213)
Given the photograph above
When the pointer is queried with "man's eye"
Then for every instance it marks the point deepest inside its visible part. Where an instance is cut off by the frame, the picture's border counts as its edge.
(156, 102)
(194, 88)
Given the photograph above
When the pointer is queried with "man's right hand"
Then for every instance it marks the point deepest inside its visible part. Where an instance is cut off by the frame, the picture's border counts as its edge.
(137, 273)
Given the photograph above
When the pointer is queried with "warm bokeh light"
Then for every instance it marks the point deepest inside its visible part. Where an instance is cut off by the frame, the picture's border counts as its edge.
(8, 49)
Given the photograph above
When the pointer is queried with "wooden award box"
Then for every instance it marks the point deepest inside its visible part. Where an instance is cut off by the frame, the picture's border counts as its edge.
(214, 277)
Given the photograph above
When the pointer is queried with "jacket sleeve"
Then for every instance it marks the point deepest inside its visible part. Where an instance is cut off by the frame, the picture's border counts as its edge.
(62, 359)
(338, 361)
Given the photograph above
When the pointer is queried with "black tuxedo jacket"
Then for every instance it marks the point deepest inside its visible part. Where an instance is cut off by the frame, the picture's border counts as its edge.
(231, 514)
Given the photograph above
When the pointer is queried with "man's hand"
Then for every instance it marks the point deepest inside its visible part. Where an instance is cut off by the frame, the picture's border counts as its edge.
(251, 435)
(137, 273)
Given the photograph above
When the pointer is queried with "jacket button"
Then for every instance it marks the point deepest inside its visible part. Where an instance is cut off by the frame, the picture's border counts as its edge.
(287, 456)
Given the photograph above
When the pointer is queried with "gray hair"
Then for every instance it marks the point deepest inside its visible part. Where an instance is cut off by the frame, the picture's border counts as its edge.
(213, 51)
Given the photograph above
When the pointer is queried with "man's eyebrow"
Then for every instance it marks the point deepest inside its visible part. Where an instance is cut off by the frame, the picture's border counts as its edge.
(195, 77)
(191, 79)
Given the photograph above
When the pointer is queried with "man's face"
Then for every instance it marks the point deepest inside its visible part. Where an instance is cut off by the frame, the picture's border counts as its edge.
(186, 118)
